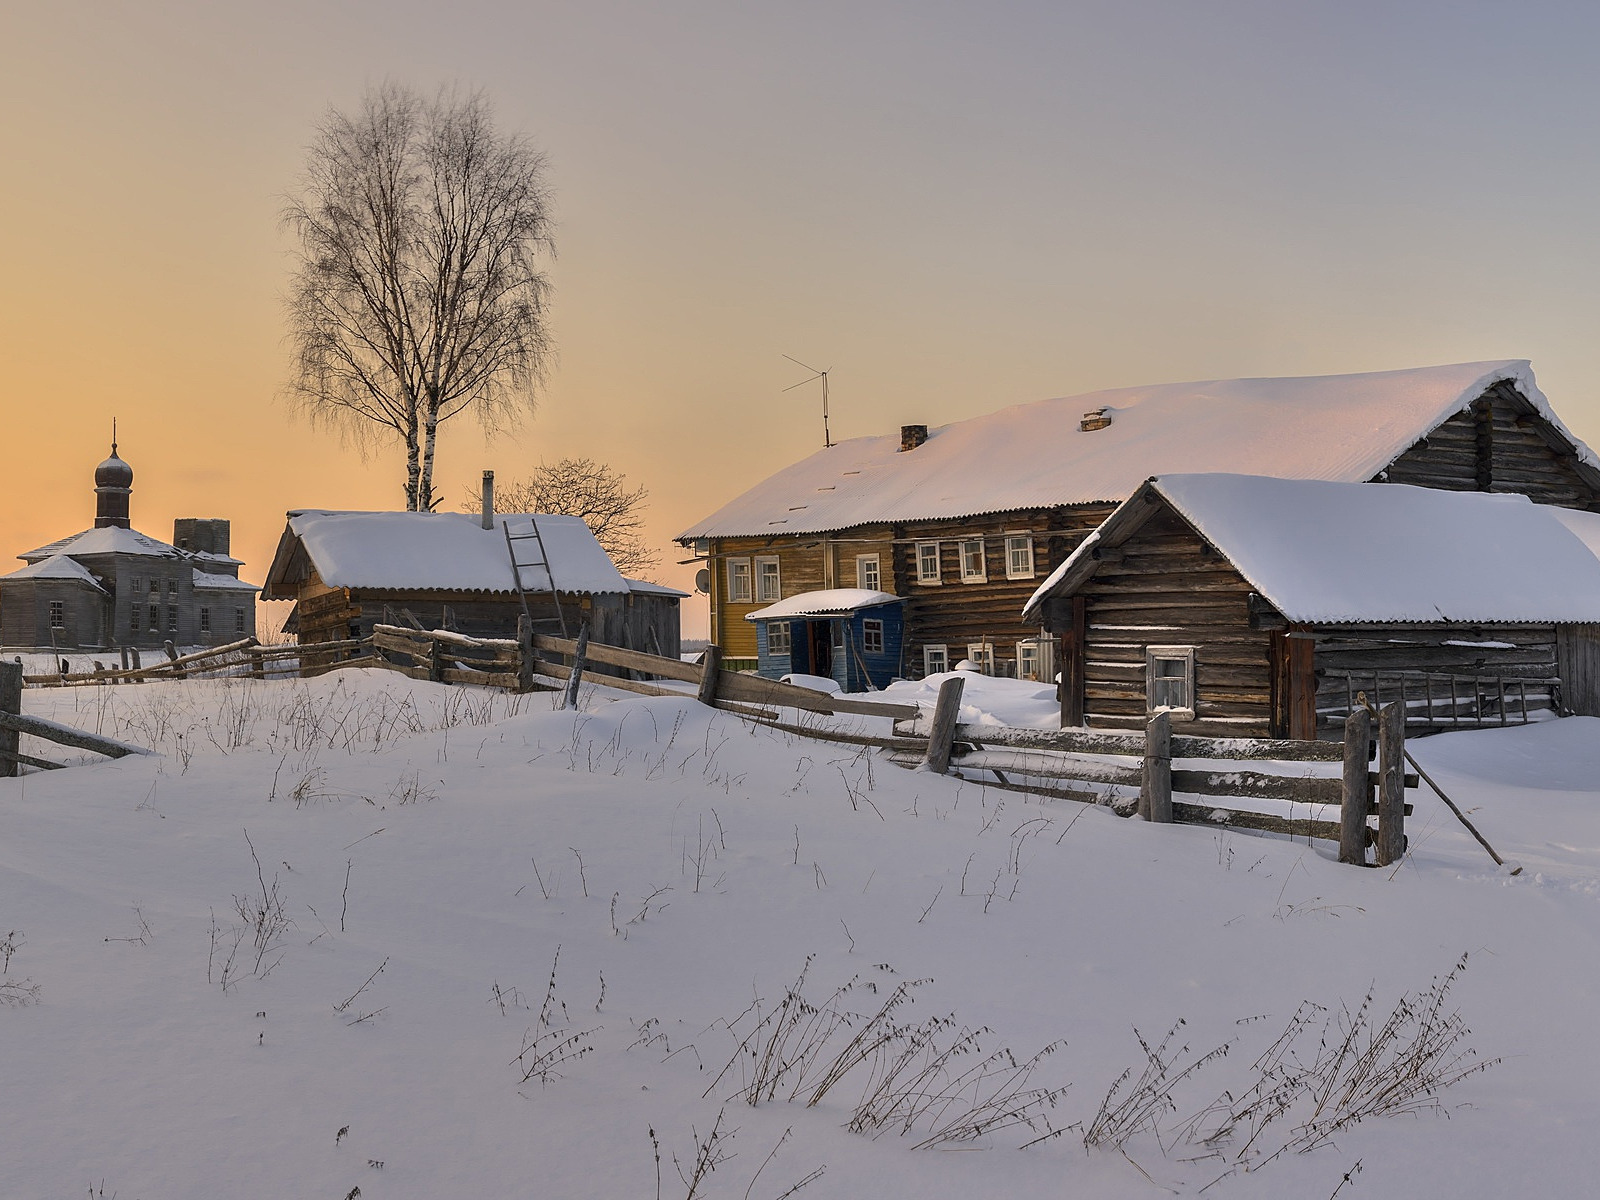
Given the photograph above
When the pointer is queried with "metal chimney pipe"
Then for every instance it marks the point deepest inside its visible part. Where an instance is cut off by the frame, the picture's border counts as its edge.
(488, 499)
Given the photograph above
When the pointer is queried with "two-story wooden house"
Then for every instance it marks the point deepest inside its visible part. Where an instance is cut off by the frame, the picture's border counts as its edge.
(964, 521)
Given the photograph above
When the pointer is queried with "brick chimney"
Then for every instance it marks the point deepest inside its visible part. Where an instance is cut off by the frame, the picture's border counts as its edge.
(912, 436)
(488, 499)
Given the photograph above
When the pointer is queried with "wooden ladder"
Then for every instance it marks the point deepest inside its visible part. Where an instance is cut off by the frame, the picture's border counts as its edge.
(542, 561)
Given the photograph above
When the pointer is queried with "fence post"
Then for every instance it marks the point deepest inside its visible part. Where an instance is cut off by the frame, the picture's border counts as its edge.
(580, 660)
(172, 656)
(1357, 796)
(1155, 792)
(258, 666)
(943, 733)
(710, 672)
(524, 654)
(10, 702)
(1391, 784)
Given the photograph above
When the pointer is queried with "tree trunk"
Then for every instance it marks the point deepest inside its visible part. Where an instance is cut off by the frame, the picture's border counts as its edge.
(413, 466)
(430, 435)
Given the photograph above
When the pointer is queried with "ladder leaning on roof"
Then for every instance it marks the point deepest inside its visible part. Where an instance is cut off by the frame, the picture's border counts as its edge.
(542, 561)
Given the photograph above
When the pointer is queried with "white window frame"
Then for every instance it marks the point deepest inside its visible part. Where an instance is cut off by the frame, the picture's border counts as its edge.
(981, 655)
(871, 626)
(765, 594)
(739, 581)
(1180, 654)
(779, 632)
(927, 551)
(869, 564)
(968, 574)
(938, 653)
(1031, 649)
(1019, 556)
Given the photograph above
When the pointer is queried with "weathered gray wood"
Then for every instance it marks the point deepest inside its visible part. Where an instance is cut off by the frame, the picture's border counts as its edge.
(1460, 816)
(1155, 791)
(615, 656)
(495, 679)
(710, 673)
(580, 663)
(10, 705)
(1084, 741)
(946, 709)
(525, 653)
(1205, 814)
(11, 758)
(66, 735)
(1355, 791)
(1391, 784)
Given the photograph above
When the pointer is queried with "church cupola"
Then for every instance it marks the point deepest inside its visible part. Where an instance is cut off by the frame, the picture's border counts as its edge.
(113, 482)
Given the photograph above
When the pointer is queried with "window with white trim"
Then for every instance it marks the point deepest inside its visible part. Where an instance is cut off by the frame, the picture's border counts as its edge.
(867, 575)
(935, 660)
(172, 589)
(739, 581)
(871, 636)
(1019, 556)
(1169, 680)
(769, 586)
(928, 563)
(58, 614)
(981, 655)
(1030, 660)
(778, 638)
(973, 569)
(205, 619)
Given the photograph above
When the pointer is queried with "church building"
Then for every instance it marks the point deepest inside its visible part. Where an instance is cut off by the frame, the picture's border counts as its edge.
(112, 586)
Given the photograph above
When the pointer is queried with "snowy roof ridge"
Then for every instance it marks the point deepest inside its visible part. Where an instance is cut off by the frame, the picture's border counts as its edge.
(826, 603)
(1340, 427)
(1325, 552)
(106, 539)
(422, 551)
(57, 566)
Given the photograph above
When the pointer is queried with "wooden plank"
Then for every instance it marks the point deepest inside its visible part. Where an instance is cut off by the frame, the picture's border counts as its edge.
(580, 663)
(497, 679)
(66, 735)
(396, 644)
(1155, 790)
(1255, 785)
(945, 713)
(1391, 784)
(710, 674)
(617, 656)
(10, 758)
(1355, 791)
(1299, 827)
(1087, 741)
(10, 703)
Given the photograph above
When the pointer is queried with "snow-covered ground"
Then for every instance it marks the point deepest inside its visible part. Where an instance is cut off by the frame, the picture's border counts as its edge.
(578, 917)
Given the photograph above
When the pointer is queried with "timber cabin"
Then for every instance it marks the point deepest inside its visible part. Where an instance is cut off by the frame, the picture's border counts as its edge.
(111, 586)
(962, 521)
(1258, 607)
(349, 571)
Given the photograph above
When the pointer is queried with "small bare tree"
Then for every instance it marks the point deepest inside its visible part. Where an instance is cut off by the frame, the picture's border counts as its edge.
(581, 487)
(418, 293)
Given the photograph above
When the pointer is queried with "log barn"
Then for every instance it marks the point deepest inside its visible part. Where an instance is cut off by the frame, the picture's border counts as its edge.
(962, 521)
(1265, 607)
(348, 571)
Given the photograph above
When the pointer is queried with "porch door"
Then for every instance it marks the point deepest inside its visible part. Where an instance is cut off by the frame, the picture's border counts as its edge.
(819, 636)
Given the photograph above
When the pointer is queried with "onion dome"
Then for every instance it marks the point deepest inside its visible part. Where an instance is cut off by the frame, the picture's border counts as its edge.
(113, 473)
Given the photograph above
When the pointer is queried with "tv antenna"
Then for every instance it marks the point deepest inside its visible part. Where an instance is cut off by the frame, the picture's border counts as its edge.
(815, 375)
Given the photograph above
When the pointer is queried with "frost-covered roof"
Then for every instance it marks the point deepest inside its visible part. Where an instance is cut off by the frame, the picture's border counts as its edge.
(109, 539)
(57, 566)
(221, 583)
(647, 588)
(1326, 552)
(833, 602)
(443, 552)
(1342, 427)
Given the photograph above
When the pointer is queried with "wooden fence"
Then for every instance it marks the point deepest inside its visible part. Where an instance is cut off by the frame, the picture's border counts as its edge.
(13, 724)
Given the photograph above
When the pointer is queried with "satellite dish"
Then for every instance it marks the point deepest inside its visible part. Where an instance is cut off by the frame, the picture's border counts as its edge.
(702, 581)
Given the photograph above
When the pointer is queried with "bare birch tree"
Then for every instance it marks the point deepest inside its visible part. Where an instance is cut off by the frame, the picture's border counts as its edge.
(418, 293)
(581, 487)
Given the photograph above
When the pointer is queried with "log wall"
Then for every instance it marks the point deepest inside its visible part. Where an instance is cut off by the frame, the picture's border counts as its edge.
(1578, 654)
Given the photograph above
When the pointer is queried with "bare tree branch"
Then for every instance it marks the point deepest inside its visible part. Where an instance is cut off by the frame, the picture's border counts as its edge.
(418, 293)
(581, 487)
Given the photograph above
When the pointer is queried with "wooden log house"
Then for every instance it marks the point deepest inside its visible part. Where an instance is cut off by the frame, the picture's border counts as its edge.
(1264, 607)
(963, 521)
(349, 571)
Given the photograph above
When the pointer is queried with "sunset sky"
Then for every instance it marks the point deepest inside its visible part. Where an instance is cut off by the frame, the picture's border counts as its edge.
(953, 207)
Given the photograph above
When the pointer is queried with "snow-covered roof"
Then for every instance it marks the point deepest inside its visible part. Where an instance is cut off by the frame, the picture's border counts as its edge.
(109, 539)
(1324, 552)
(206, 581)
(646, 588)
(833, 602)
(57, 566)
(1341, 427)
(443, 552)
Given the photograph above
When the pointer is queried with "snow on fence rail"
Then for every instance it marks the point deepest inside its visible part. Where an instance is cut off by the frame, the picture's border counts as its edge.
(13, 723)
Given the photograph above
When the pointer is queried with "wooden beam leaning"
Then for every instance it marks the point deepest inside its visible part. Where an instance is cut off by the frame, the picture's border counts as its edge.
(10, 705)
(1391, 784)
(1155, 791)
(942, 734)
(1353, 804)
(66, 735)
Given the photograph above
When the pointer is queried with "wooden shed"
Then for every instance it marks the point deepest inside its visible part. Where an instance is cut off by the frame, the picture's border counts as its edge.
(347, 571)
(1264, 607)
(853, 636)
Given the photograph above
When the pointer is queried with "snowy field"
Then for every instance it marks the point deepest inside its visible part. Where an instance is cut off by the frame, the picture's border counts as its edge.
(508, 951)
